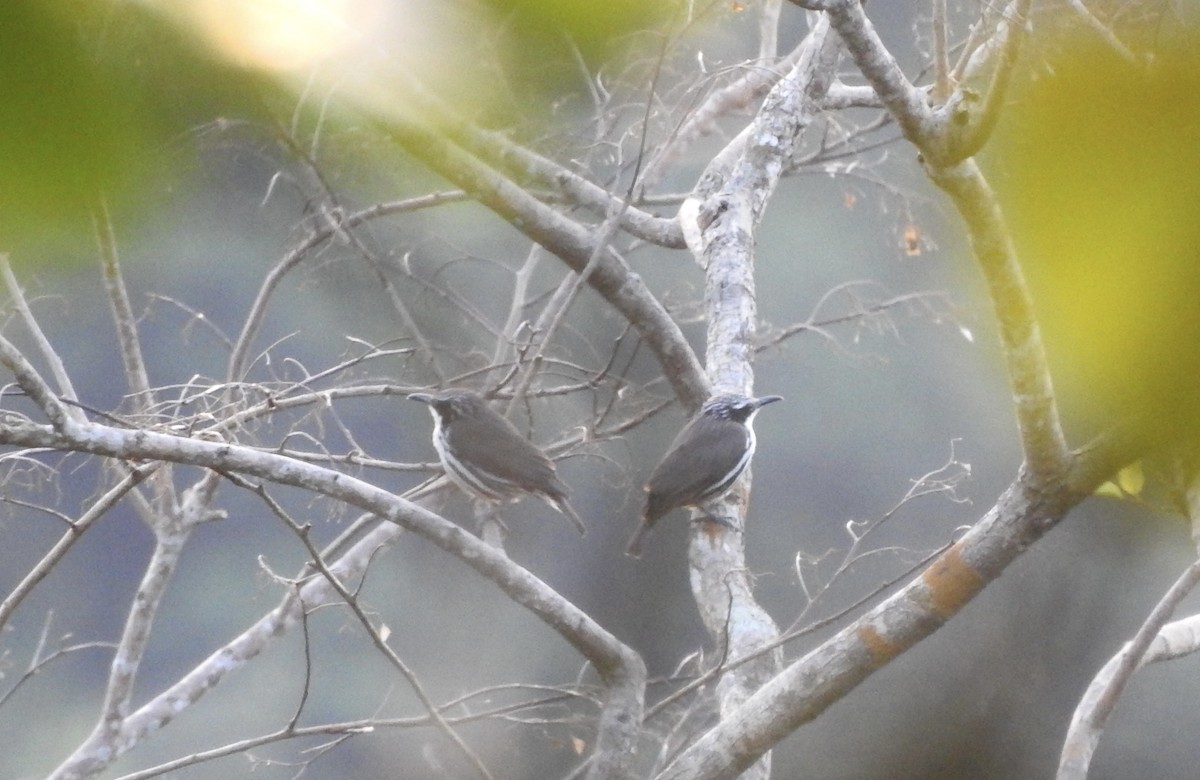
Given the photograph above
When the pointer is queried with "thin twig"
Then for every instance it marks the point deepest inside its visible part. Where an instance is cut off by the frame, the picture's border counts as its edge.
(1104, 31)
(26, 375)
(1098, 703)
(347, 728)
(122, 312)
(302, 532)
(942, 83)
(73, 534)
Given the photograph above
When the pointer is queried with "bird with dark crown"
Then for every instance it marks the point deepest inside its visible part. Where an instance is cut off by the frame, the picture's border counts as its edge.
(487, 457)
(704, 461)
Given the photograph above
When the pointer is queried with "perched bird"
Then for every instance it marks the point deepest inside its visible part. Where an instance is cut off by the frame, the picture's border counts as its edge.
(702, 463)
(487, 457)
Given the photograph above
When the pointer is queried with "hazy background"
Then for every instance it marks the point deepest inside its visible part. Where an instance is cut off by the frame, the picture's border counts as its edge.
(988, 696)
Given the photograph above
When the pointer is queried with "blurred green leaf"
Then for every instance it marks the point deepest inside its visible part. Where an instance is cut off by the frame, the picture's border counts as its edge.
(92, 98)
(1099, 172)
(592, 27)
(549, 43)
(66, 130)
(1130, 481)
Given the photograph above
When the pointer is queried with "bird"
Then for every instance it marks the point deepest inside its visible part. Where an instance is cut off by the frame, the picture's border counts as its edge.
(703, 462)
(487, 457)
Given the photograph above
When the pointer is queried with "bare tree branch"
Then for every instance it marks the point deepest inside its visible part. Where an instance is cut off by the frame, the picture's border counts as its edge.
(64, 544)
(757, 79)
(1042, 439)
(942, 84)
(239, 354)
(285, 410)
(101, 746)
(354, 727)
(513, 160)
(621, 668)
(60, 414)
(906, 102)
(1104, 31)
(828, 673)
(570, 242)
(1155, 640)
(351, 600)
(728, 218)
(978, 125)
(1152, 642)
(1028, 367)
(118, 298)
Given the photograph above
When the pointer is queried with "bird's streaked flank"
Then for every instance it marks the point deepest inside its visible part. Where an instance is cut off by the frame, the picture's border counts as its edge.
(487, 457)
(704, 461)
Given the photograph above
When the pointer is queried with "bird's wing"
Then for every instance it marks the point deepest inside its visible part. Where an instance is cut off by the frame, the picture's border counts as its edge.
(517, 462)
(696, 461)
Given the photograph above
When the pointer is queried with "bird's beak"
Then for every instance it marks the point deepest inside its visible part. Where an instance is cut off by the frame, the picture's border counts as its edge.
(758, 402)
(424, 398)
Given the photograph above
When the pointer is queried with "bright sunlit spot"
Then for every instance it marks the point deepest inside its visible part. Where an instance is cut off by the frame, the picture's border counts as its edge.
(282, 35)
(360, 50)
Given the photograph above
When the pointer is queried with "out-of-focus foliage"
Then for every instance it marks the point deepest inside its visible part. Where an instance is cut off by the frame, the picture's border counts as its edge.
(592, 27)
(362, 54)
(477, 55)
(93, 99)
(96, 97)
(1099, 169)
(1128, 482)
(68, 129)
(556, 38)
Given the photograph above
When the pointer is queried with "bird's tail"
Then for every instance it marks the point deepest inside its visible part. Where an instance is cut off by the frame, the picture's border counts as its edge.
(634, 548)
(564, 508)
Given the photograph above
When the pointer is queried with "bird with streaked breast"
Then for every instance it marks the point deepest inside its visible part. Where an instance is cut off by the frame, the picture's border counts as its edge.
(703, 462)
(487, 457)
